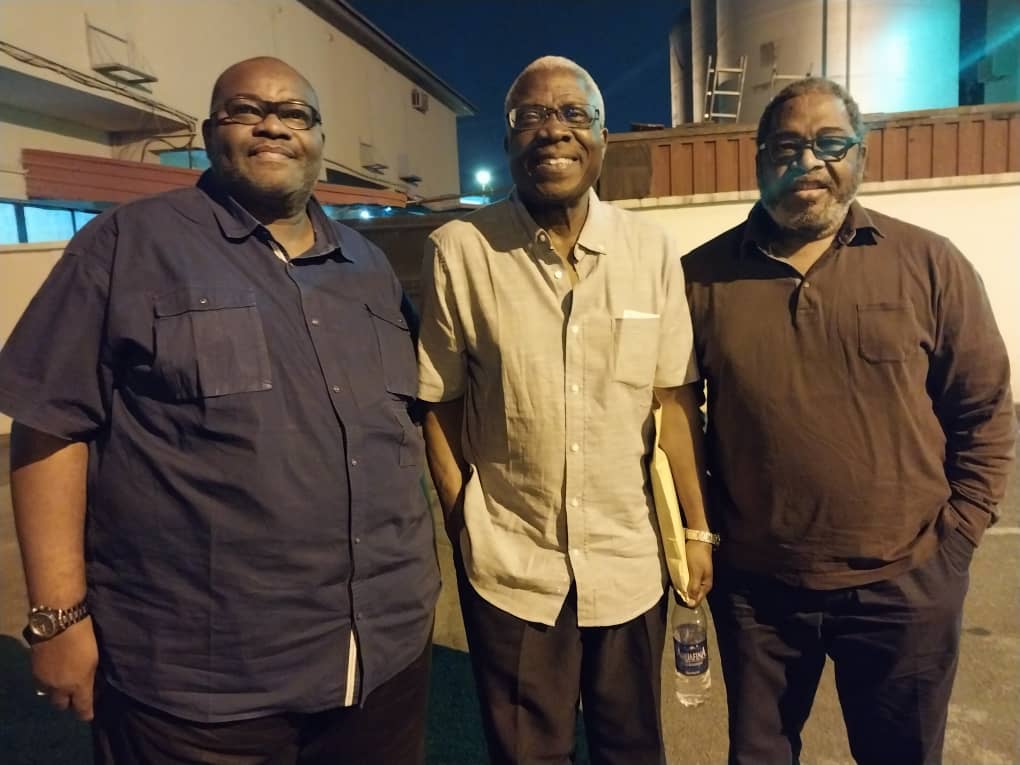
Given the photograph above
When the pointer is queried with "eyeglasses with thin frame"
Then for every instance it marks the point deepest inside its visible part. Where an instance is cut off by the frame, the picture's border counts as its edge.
(785, 149)
(533, 116)
(246, 110)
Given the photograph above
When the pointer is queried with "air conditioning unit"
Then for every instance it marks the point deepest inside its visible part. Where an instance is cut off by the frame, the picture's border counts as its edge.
(371, 159)
(407, 170)
(116, 57)
(419, 100)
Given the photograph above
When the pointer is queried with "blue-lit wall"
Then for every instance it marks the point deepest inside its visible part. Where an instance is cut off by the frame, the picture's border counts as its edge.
(902, 55)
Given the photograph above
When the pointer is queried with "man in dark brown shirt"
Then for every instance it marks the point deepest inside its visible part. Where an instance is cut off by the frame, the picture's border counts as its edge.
(860, 427)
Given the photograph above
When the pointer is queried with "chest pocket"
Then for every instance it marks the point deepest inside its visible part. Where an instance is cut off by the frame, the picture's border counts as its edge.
(210, 342)
(635, 350)
(396, 352)
(887, 332)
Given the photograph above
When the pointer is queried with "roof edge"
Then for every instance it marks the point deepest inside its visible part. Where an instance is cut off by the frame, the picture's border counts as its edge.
(344, 17)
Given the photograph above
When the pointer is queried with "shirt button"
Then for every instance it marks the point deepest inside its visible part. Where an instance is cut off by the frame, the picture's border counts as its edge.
(354, 462)
(575, 329)
(575, 551)
(315, 322)
(807, 284)
(575, 388)
(203, 301)
(357, 540)
(558, 274)
(575, 447)
(336, 388)
(575, 502)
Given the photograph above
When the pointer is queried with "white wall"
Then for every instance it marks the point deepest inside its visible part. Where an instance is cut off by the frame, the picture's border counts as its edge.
(983, 221)
(23, 267)
(187, 43)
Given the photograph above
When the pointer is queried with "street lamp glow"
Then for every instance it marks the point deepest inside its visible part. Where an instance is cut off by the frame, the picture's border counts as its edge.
(484, 178)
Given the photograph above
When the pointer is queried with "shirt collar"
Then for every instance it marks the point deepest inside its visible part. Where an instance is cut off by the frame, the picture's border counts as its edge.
(595, 236)
(237, 223)
(761, 230)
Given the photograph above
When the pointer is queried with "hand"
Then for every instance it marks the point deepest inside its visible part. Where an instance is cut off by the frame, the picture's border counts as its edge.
(65, 668)
(699, 565)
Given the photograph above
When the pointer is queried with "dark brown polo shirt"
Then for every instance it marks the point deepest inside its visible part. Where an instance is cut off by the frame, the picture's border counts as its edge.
(856, 415)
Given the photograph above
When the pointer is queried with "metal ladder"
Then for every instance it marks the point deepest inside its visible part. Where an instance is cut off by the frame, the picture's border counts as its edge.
(714, 110)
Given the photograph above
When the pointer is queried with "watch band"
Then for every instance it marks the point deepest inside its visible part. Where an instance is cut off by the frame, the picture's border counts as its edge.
(45, 623)
(703, 536)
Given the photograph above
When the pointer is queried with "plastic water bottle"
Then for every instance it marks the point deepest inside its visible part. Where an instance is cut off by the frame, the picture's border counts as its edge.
(693, 678)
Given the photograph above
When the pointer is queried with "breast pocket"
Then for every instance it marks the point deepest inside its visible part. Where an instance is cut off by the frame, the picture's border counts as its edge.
(635, 350)
(210, 342)
(400, 376)
(887, 332)
(396, 352)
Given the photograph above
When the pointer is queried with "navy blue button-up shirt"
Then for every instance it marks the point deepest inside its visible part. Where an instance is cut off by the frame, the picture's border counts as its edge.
(254, 473)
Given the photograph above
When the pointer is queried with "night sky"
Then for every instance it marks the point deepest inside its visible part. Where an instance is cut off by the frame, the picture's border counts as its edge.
(479, 47)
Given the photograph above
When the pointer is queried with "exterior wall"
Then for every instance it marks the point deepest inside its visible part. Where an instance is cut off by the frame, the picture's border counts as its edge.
(1003, 21)
(988, 234)
(186, 43)
(19, 129)
(901, 55)
(24, 267)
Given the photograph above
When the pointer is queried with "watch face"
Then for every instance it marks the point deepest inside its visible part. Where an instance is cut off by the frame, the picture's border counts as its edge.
(42, 623)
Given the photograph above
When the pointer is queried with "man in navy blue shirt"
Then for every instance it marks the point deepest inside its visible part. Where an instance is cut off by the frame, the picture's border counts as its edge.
(214, 471)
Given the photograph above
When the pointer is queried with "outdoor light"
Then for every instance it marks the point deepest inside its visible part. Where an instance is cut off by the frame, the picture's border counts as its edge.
(484, 178)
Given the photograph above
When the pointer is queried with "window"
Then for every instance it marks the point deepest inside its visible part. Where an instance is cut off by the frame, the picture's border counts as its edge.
(21, 223)
(8, 224)
(191, 158)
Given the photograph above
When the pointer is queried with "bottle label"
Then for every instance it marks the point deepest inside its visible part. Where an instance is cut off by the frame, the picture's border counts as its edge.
(691, 658)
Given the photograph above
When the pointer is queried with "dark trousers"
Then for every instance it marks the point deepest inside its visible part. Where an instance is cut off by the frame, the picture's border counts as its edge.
(894, 646)
(530, 676)
(389, 729)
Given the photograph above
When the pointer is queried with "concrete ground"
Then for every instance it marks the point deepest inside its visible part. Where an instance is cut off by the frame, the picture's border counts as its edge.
(984, 712)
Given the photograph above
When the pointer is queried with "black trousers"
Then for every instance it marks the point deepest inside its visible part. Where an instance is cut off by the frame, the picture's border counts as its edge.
(530, 676)
(389, 729)
(894, 646)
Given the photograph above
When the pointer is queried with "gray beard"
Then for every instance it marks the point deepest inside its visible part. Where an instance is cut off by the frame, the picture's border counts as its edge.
(814, 223)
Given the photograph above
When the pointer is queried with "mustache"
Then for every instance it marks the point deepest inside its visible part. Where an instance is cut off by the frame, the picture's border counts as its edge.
(806, 182)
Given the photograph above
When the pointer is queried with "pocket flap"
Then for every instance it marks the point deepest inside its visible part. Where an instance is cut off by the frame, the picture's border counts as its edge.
(389, 316)
(203, 299)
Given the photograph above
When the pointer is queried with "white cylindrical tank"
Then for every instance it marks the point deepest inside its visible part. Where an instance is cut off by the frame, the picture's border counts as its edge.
(901, 55)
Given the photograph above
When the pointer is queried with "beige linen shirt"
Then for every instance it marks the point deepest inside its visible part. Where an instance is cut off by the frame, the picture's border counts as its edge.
(558, 385)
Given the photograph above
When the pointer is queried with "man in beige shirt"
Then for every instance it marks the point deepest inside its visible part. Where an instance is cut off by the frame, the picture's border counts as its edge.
(551, 322)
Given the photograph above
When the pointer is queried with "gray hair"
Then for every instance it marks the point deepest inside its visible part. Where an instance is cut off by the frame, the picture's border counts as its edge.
(805, 87)
(559, 63)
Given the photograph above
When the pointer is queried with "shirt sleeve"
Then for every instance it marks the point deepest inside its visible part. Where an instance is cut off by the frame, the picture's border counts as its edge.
(969, 385)
(52, 374)
(677, 364)
(442, 365)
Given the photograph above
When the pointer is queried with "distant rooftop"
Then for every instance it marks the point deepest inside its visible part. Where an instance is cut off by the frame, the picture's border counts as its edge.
(348, 20)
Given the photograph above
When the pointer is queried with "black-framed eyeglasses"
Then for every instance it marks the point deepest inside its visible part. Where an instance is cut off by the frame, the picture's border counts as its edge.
(246, 110)
(784, 149)
(532, 116)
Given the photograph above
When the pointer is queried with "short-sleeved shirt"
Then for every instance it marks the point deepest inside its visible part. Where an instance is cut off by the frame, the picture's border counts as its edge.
(856, 414)
(558, 384)
(254, 476)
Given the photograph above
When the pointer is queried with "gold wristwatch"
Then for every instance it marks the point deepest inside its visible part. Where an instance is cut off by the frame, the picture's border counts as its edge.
(45, 623)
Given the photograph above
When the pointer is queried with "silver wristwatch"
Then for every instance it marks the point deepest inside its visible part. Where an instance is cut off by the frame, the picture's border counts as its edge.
(45, 623)
(703, 536)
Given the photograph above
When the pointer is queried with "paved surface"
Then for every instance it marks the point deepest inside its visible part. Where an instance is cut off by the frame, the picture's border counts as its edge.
(983, 716)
